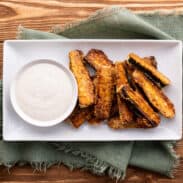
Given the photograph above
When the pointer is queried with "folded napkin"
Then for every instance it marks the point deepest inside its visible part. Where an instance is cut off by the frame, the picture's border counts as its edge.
(101, 158)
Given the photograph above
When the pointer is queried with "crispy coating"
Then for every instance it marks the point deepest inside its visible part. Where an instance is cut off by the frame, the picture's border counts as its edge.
(143, 122)
(94, 79)
(94, 121)
(114, 108)
(126, 118)
(125, 114)
(155, 96)
(140, 122)
(151, 60)
(80, 115)
(149, 69)
(137, 100)
(129, 68)
(105, 92)
(97, 59)
(117, 123)
(121, 80)
(85, 84)
(121, 77)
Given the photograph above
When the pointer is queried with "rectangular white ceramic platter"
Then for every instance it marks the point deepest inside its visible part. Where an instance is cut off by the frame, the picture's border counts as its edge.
(17, 53)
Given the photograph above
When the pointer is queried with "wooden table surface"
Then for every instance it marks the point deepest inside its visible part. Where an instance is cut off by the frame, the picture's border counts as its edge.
(42, 15)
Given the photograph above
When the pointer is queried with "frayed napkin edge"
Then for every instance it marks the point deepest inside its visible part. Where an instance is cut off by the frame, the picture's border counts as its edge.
(170, 146)
(93, 164)
(40, 166)
(19, 32)
(107, 11)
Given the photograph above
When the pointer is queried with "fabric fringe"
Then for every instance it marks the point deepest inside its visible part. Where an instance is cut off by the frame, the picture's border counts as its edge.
(19, 32)
(39, 166)
(93, 164)
(176, 160)
(170, 147)
(1, 126)
(108, 11)
(105, 12)
(98, 167)
(160, 12)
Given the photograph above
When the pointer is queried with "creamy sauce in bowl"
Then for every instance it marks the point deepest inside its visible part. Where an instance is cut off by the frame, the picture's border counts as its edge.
(44, 93)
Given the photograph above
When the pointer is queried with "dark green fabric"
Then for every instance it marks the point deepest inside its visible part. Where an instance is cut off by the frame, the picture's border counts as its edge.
(110, 158)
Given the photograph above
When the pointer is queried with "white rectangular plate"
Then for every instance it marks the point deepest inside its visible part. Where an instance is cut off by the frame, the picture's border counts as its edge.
(17, 53)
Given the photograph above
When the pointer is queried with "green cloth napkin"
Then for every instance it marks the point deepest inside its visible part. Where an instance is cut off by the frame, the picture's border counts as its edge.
(101, 158)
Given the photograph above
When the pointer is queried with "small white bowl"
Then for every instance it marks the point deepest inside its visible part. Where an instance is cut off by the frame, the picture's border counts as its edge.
(62, 116)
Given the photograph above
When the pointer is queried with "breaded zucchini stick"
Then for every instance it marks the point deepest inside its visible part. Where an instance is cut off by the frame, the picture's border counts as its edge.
(121, 77)
(155, 96)
(121, 80)
(136, 99)
(94, 121)
(117, 123)
(125, 114)
(85, 84)
(80, 115)
(129, 70)
(151, 60)
(114, 108)
(105, 92)
(97, 59)
(140, 122)
(94, 79)
(149, 69)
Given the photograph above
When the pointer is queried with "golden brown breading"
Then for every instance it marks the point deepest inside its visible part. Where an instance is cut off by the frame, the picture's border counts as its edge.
(121, 78)
(94, 121)
(142, 122)
(125, 114)
(117, 123)
(129, 68)
(80, 115)
(94, 79)
(151, 60)
(155, 96)
(137, 100)
(85, 84)
(126, 118)
(114, 108)
(97, 59)
(104, 92)
(149, 69)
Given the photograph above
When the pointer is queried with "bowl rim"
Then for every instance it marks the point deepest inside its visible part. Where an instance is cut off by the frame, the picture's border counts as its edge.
(36, 122)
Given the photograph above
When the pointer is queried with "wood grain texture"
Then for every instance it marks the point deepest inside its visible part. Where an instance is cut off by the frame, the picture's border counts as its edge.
(42, 15)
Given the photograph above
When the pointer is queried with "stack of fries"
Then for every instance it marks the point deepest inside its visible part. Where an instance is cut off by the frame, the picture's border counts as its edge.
(128, 94)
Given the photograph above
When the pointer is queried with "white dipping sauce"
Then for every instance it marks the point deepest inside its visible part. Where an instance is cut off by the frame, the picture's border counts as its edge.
(43, 91)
